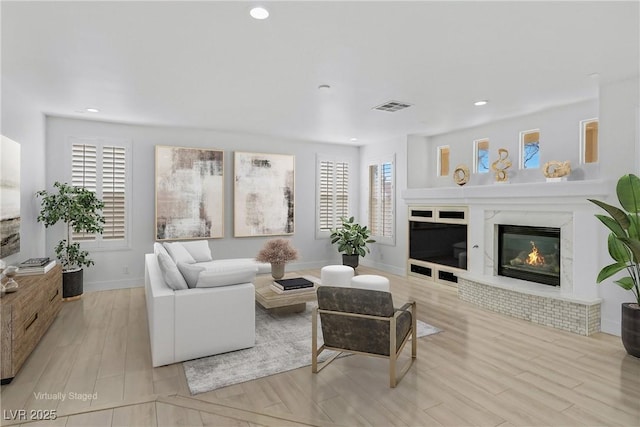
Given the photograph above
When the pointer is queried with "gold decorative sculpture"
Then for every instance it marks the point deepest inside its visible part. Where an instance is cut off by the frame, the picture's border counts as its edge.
(556, 169)
(501, 165)
(461, 175)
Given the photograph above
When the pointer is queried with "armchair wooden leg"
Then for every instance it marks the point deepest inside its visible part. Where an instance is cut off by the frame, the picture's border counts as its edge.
(314, 341)
(392, 352)
(414, 329)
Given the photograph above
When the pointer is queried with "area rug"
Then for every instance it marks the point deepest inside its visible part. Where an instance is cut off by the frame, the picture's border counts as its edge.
(283, 343)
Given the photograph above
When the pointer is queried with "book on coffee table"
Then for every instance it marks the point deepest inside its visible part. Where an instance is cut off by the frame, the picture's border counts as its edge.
(292, 284)
(280, 291)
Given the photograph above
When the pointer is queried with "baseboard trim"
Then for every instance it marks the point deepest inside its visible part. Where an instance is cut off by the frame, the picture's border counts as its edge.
(398, 271)
(113, 284)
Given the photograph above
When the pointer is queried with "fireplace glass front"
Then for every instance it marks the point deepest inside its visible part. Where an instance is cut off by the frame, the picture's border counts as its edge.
(529, 253)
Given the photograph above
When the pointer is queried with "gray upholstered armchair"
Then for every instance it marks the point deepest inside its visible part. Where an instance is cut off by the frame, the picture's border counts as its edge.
(363, 321)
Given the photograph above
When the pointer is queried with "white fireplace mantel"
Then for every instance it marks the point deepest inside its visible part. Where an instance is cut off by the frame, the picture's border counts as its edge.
(561, 204)
(564, 192)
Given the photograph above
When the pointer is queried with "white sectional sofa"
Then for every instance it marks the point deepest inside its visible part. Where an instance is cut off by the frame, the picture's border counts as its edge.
(188, 323)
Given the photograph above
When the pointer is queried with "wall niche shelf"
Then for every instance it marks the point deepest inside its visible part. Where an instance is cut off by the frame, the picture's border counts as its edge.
(564, 192)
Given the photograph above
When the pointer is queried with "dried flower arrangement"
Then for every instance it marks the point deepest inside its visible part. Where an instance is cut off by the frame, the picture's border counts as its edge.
(277, 251)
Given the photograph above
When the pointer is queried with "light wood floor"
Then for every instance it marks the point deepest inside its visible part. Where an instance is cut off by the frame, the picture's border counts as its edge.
(485, 369)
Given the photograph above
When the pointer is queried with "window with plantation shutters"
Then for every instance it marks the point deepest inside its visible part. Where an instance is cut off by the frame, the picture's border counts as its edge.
(83, 174)
(382, 201)
(113, 192)
(333, 195)
(100, 165)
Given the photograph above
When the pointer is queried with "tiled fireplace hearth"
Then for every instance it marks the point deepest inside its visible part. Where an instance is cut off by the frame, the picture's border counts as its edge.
(570, 315)
(572, 306)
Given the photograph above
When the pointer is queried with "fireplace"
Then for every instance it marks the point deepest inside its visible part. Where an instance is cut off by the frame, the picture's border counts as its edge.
(572, 306)
(529, 253)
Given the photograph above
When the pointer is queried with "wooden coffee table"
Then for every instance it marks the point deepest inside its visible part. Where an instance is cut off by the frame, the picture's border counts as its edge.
(283, 303)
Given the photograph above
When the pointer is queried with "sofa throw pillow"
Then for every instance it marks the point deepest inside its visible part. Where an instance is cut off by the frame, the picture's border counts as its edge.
(170, 272)
(213, 278)
(190, 272)
(179, 253)
(199, 250)
(158, 248)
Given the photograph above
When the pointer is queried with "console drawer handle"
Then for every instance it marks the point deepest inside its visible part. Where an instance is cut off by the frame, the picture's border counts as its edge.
(35, 317)
(55, 295)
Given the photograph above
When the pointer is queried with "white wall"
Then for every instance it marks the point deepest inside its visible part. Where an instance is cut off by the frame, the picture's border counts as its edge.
(391, 258)
(109, 270)
(23, 123)
(418, 157)
(559, 140)
(619, 141)
(618, 109)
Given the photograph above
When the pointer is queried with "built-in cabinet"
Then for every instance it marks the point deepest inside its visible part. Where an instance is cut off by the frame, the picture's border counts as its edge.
(25, 317)
(437, 242)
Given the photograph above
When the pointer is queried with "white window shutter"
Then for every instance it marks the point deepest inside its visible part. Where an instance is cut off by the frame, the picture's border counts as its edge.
(84, 174)
(381, 199)
(114, 192)
(102, 169)
(333, 194)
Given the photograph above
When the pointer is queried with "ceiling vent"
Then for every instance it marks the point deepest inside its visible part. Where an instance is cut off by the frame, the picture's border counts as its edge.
(392, 106)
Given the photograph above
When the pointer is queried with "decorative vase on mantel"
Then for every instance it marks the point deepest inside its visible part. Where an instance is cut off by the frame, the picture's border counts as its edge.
(277, 270)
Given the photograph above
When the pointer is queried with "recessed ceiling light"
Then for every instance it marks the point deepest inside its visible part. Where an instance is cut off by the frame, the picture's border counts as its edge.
(324, 87)
(259, 13)
(93, 110)
(353, 139)
(481, 103)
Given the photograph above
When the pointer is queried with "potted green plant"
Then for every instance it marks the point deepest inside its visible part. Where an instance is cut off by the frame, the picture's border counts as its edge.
(352, 239)
(624, 247)
(277, 252)
(81, 211)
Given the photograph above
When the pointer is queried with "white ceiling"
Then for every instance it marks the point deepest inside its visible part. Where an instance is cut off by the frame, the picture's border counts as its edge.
(209, 65)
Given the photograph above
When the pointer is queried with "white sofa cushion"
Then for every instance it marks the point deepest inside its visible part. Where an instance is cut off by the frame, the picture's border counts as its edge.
(225, 277)
(236, 263)
(199, 250)
(157, 248)
(190, 272)
(170, 272)
(179, 253)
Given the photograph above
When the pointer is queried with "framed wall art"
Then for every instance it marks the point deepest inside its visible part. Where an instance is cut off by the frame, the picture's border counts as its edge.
(9, 197)
(263, 194)
(189, 193)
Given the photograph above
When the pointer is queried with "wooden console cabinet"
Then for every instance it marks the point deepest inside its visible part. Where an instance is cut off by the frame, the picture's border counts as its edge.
(25, 317)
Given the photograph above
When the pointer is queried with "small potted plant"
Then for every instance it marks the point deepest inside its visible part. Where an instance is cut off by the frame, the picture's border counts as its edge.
(352, 239)
(624, 247)
(81, 211)
(277, 252)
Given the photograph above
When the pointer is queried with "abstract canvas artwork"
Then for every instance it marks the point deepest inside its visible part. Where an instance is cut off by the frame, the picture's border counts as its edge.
(9, 197)
(189, 193)
(263, 194)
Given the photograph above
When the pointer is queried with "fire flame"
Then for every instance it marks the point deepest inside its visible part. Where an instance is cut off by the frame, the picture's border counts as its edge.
(534, 257)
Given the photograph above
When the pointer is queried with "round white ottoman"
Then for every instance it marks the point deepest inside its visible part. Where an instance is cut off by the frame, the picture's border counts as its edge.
(370, 281)
(336, 275)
